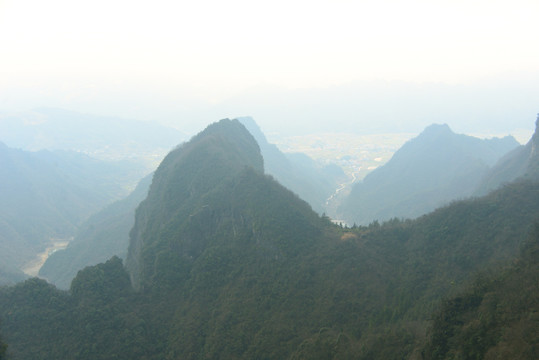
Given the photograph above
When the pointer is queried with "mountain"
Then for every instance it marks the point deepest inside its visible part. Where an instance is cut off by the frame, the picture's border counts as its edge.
(106, 233)
(521, 162)
(180, 185)
(298, 172)
(101, 137)
(227, 263)
(428, 171)
(46, 195)
(103, 235)
(495, 317)
(3, 348)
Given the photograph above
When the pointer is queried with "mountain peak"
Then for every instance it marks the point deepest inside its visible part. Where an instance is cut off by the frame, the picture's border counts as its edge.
(437, 129)
(428, 171)
(182, 182)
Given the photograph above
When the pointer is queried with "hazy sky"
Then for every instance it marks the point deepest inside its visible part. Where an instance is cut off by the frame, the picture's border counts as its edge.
(186, 63)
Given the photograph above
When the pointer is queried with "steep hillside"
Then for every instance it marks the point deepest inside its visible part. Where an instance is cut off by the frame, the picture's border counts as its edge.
(46, 195)
(299, 173)
(3, 348)
(103, 235)
(227, 263)
(106, 233)
(177, 194)
(428, 171)
(496, 317)
(521, 162)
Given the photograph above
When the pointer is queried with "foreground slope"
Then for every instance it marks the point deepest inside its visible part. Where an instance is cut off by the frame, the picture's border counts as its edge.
(427, 172)
(227, 263)
(496, 317)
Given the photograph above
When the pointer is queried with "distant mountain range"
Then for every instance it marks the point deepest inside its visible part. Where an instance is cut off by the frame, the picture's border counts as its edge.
(104, 235)
(224, 262)
(436, 167)
(523, 161)
(46, 195)
(99, 136)
(296, 171)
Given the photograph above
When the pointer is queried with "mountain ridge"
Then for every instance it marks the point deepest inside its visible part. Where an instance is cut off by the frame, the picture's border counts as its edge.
(207, 164)
(296, 171)
(47, 194)
(233, 265)
(426, 172)
(103, 235)
(523, 161)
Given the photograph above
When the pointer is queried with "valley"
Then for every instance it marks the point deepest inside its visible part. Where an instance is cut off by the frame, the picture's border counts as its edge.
(32, 268)
(284, 180)
(223, 261)
(356, 154)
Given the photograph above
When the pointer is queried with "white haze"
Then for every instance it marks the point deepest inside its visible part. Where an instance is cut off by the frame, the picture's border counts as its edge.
(295, 66)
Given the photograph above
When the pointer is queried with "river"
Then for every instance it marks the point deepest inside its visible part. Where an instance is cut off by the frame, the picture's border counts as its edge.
(32, 267)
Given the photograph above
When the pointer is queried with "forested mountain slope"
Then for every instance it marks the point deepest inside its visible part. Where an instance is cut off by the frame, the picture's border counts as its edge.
(227, 263)
(427, 172)
(177, 196)
(46, 195)
(103, 235)
(521, 162)
(495, 318)
(3, 348)
(106, 233)
(298, 172)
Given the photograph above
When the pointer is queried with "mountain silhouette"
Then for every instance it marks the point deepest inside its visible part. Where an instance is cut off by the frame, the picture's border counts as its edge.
(434, 168)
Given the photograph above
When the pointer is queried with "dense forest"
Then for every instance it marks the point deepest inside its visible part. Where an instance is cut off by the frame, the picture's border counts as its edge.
(496, 317)
(3, 348)
(224, 262)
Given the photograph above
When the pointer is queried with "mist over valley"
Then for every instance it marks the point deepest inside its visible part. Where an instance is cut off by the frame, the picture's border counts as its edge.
(286, 180)
(213, 245)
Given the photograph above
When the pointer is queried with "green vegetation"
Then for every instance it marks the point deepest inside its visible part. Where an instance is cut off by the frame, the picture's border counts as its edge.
(3, 348)
(495, 318)
(180, 184)
(103, 235)
(46, 195)
(297, 172)
(227, 263)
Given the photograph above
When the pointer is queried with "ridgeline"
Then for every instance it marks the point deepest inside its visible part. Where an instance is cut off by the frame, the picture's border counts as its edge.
(224, 262)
